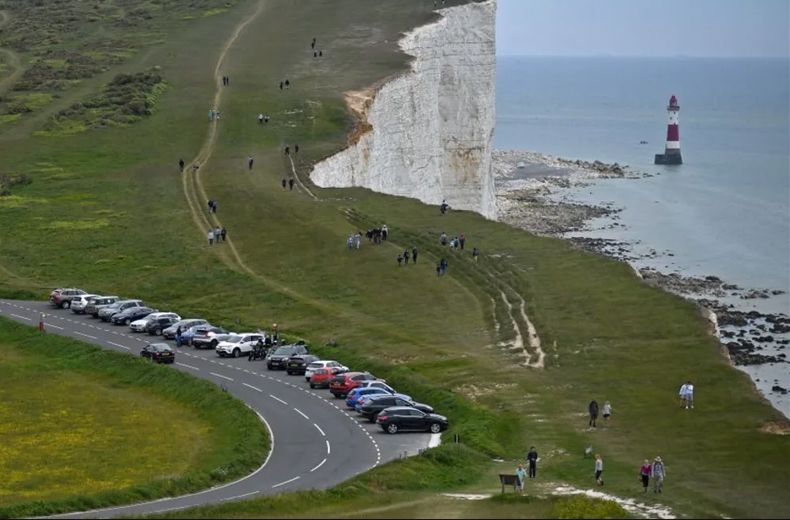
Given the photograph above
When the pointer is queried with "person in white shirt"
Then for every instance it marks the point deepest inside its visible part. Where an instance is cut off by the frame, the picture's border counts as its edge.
(682, 394)
(210, 236)
(689, 395)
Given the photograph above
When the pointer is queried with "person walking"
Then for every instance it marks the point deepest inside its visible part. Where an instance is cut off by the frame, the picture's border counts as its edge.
(211, 114)
(284, 182)
(658, 472)
(214, 206)
(250, 161)
(406, 256)
(593, 409)
(266, 118)
(475, 254)
(260, 119)
(296, 149)
(350, 242)
(532, 459)
(644, 474)
(599, 469)
(521, 475)
(41, 323)
(358, 240)
(210, 236)
(217, 234)
(312, 44)
(689, 395)
(178, 337)
(385, 232)
(462, 241)
(445, 265)
(607, 411)
(210, 205)
(181, 165)
(224, 233)
(400, 259)
(443, 238)
(414, 254)
(287, 150)
(439, 269)
(281, 85)
(291, 184)
(287, 84)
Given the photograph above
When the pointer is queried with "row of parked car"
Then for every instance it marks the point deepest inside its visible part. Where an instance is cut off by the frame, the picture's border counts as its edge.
(371, 397)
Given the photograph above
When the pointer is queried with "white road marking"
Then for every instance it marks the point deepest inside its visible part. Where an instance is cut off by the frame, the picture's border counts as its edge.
(241, 496)
(319, 429)
(328, 449)
(187, 366)
(277, 399)
(319, 465)
(286, 482)
(300, 412)
(53, 326)
(253, 387)
(86, 335)
(220, 375)
(118, 345)
(21, 317)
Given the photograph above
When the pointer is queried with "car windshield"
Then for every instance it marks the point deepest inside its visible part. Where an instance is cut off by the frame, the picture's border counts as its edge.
(233, 339)
(284, 351)
(315, 364)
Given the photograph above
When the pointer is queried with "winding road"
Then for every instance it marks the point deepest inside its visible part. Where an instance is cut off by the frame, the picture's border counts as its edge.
(316, 443)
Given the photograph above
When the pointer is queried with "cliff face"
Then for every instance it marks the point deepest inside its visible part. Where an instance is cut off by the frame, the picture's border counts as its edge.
(428, 132)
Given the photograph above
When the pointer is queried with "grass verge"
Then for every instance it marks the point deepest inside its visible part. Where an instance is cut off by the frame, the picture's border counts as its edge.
(84, 428)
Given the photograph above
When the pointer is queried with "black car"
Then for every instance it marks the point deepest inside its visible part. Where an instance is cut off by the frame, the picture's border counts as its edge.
(403, 418)
(131, 314)
(375, 404)
(298, 364)
(279, 357)
(158, 353)
(156, 326)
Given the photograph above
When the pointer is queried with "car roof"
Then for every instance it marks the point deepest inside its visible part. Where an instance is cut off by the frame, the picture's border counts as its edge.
(394, 409)
(159, 345)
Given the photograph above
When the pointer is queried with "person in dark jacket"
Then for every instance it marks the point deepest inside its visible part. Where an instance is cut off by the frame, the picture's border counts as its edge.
(532, 458)
(593, 408)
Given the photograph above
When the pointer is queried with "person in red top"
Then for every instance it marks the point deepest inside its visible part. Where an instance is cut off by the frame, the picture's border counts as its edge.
(644, 474)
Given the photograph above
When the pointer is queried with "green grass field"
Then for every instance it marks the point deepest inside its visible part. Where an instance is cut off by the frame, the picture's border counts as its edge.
(82, 427)
(106, 210)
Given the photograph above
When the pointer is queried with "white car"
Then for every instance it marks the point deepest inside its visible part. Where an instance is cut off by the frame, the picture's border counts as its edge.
(139, 325)
(78, 303)
(238, 344)
(378, 383)
(336, 368)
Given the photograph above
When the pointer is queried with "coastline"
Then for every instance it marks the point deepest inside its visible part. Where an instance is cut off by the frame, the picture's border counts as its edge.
(531, 190)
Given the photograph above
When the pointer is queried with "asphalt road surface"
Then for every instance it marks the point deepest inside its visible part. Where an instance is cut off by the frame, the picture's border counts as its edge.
(316, 443)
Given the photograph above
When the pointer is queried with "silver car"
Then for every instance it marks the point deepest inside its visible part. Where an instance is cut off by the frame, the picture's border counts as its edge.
(80, 302)
(107, 313)
(98, 303)
(142, 323)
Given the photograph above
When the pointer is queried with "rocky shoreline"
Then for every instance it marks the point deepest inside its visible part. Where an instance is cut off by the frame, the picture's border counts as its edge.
(527, 185)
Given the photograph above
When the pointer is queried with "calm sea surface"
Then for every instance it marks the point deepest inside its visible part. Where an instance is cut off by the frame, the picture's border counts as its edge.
(725, 212)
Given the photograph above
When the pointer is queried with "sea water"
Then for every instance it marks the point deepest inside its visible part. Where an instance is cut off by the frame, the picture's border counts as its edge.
(724, 212)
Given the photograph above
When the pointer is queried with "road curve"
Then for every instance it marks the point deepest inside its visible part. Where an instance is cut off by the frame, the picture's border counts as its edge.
(316, 444)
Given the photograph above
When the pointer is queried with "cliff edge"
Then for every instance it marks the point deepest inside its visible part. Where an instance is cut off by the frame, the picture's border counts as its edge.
(427, 133)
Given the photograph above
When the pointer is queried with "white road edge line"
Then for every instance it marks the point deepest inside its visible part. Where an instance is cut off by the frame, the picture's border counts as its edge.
(253, 387)
(300, 412)
(319, 429)
(220, 375)
(319, 465)
(328, 449)
(187, 366)
(286, 482)
(21, 317)
(277, 399)
(240, 496)
(118, 345)
(86, 335)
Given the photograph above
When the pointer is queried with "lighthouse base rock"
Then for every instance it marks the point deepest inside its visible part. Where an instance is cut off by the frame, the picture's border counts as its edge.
(427, 133)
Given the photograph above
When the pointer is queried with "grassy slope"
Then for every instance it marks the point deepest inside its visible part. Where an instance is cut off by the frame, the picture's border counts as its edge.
(67, 408)
(615, 339)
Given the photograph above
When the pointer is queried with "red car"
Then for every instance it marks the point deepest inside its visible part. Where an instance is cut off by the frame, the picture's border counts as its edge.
(62, 297)
(321, 377)
(342, 384)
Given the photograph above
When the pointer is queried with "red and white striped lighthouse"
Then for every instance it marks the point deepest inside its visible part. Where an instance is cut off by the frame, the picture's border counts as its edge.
(671, 153)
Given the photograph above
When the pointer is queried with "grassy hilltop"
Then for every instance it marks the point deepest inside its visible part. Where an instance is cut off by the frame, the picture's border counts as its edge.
(104, 207)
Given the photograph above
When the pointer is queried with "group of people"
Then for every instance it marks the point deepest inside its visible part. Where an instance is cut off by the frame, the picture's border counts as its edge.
(404, 257)
(593, 410)
(288, 149)
(213, 114)
(441, 267)
(686, 395)
(226, 80)
(457, 242)
(354, 241)
(216, 234)
(286, 84)
(263, 118)
(377, 235)
(289, 183)
(656, 471)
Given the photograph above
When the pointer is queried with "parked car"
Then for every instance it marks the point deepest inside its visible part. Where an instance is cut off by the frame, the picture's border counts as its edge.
(78, 303)
(212, 340)
(334, 366)
(238, 344)
(200, 336)
(355, 395)
(158, 353)
(170, 332)
(278, 357)
(127, 316)
(98, 303)
(108, 312)
(377, 383)
(403, 418)
(298, 364)
(142, 324)
(155, 326)
(364, 398)
(62, 297)
(375, 403)
(342, 384)
(321, 377)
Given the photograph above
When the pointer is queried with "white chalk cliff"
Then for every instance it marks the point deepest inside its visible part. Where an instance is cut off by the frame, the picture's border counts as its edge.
(427, 133)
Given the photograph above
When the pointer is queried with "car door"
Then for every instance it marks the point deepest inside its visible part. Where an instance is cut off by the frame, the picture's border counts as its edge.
(416, 419)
